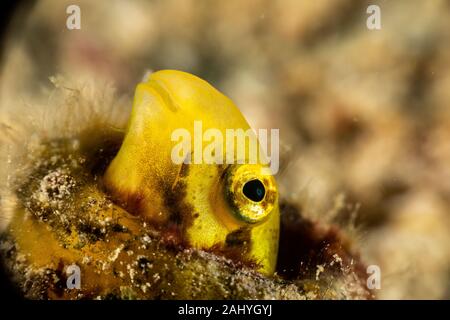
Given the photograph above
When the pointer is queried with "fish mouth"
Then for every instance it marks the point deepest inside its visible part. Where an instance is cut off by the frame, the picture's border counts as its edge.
(161, 89)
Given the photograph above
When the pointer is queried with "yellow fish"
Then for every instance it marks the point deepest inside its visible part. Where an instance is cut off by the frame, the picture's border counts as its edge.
(229, 209)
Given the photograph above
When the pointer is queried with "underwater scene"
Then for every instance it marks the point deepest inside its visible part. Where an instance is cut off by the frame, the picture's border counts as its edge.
(209, 150)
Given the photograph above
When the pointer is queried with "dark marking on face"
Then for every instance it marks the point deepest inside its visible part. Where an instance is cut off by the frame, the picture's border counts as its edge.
(221, 171)
(236, 248)
(174, 200)
(181, 214)
(240, 237)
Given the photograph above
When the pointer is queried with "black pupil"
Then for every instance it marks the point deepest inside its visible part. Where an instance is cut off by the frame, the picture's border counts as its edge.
(254, 190)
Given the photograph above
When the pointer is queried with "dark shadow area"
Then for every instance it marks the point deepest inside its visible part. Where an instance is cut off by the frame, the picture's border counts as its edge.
(11, 11)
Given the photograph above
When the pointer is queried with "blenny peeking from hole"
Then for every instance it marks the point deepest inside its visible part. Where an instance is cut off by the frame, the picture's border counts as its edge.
(84, 188)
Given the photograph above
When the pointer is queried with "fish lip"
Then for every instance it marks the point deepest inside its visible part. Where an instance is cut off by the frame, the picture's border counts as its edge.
(161, 90)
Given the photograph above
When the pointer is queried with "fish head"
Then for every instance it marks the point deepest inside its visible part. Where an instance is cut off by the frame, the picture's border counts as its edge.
(185, 167)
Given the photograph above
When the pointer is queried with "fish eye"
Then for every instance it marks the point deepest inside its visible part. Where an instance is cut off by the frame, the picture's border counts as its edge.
(250, 193)
(254, 190)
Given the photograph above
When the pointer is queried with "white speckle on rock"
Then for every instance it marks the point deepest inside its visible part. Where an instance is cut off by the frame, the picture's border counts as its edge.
(319, 270)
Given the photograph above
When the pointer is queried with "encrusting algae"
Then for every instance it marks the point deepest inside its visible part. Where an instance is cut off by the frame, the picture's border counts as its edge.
(86, 192)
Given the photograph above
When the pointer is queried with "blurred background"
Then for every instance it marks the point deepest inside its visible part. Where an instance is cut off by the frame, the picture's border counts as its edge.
(364, 115)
